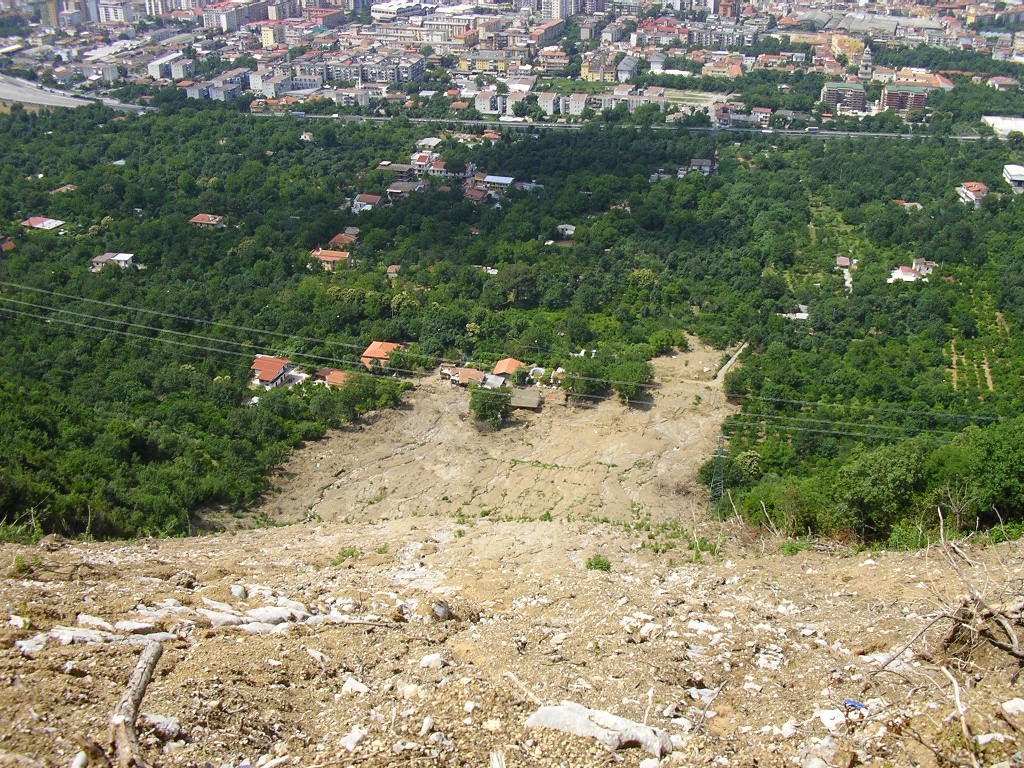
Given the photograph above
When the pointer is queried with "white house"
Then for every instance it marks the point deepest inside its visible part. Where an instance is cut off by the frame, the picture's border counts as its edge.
(972, 192)
(1014, 176)
(122, 260)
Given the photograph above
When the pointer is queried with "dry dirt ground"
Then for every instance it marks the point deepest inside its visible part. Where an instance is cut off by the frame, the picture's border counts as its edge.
(603, 461)
(408, 631)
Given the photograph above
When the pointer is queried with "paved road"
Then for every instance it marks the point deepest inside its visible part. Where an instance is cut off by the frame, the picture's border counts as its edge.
(13, 89)
(16, 89)
(663, 127)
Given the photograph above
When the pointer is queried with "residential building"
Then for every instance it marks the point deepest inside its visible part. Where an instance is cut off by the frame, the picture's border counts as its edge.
(207, 220)
(1014, 176)
(378, 353)
(270, 372)
(972, 192)
(42, 222)
(850, 97)
(903, 98)
(627, 68)
(330, 259)
(365, 203)
(122, 260)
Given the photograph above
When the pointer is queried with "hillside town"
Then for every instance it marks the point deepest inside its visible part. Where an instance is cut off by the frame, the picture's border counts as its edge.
(525, 60)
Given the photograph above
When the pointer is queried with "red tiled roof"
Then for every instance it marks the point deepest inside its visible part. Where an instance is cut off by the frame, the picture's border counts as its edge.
(328, 256)
(344, 238)
(206, 218)
(507, 366)
(336, 378)
(269, 368)
(380, 352)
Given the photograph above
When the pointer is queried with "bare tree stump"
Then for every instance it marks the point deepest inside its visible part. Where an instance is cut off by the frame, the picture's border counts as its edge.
(124, 741)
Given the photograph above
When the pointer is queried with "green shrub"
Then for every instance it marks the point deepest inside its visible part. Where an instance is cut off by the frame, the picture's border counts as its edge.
(598, 563)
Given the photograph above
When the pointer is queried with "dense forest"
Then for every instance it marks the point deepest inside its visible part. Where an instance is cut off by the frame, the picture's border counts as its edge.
(125, 404)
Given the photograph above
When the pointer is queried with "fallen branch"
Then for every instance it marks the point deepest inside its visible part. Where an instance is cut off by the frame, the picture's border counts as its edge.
(124, 742)
(965, 729)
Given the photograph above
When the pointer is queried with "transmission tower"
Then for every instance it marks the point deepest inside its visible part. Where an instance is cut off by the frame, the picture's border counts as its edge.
(718, 477)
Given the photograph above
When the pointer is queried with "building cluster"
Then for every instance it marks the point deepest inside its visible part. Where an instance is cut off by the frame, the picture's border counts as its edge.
(358, 53)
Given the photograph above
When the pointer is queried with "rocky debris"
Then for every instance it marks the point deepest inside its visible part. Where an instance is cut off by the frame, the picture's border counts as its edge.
(611, 730)
(354, 738)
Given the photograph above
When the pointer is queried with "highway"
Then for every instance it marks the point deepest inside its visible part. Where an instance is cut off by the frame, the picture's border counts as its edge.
(26, 92)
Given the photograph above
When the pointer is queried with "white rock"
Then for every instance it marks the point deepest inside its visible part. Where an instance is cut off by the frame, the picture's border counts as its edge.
(650, 762)
(427, 727)
(832, 719)
(156, 637)
(432, 661)
(404, 745)
(752, 687)
(237, 590)
(788, 729)
(272, 614)
(78, 635)
(80, 760)
(353, 687)
(293, 605)
(258, 628)
(32, 645)
(220, 619)
(1013, 707)
(135, 627)
(319, 657)
(18, 622)
(441, 740)
(216, 605)
(87, 620)
(167, 728)
(470, 707)
(988, 738)
(650, 630)
(612, 731)
(701, 626)
(410, 691)
(492, 725)
(354, 738)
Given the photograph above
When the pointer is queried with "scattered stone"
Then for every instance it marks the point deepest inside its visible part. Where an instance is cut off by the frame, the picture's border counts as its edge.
(216, 605)
(470, 707)
(167, 728)
(319, 657)
(32, 645)
(1013, 707)
(611, 730)
(95, 622)
(404, 746)
(441, 611)
(432, 661)
(427, 727)
(832, 719)
(492, 725)
(18, 622)
(353, 687)
(354, 738)
(219, 618)
(79, 636)
(237, 590)
(260, 628)
(135, 627)
(273, 614)
(184, 579)
(410, 691)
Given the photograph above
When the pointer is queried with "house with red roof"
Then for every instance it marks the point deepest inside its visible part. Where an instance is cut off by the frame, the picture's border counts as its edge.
(6, 243)
(330, 259)
(972, 192)
(207, 220)
(507, 366)
(365, 202)
(379, 353)
(41, 222)
(270, 372)
(331, 377)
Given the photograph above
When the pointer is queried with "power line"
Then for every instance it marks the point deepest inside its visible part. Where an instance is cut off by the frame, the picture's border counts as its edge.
(290, 337)
(875, 425)
(733, 425)
(822, 403)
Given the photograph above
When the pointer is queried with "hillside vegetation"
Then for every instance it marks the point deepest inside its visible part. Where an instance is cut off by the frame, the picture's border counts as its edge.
(124, 407)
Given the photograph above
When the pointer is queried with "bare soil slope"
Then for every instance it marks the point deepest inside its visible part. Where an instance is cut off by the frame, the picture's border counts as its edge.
(396, 626)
